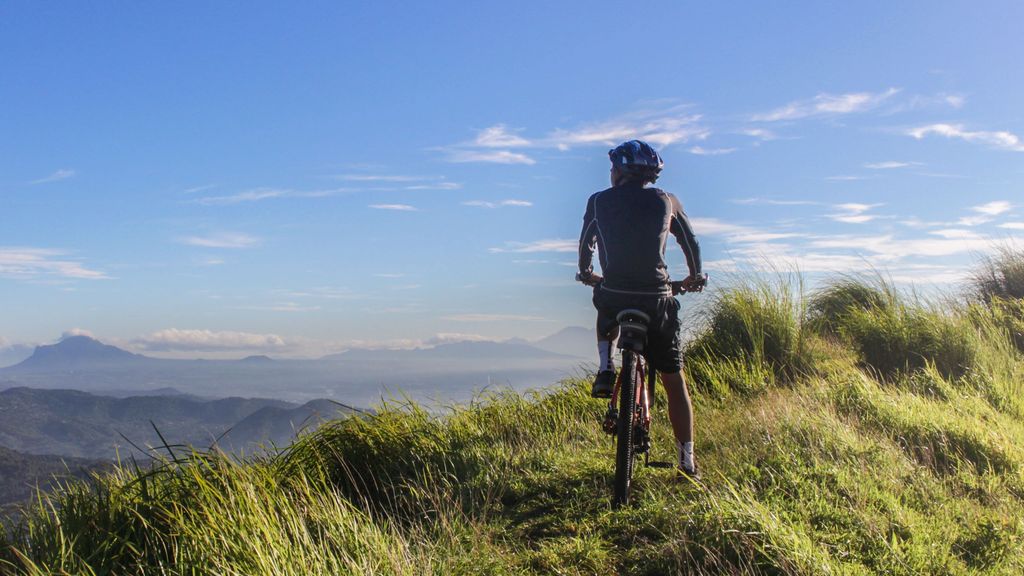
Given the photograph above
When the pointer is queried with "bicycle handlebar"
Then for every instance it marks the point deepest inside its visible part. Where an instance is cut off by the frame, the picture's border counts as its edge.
(591, 280)
(678, 287)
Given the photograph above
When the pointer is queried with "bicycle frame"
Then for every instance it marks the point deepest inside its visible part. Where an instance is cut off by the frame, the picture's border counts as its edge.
(631, 423)
(643, 394)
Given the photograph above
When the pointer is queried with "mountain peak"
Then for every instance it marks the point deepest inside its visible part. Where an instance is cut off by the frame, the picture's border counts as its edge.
(78, 340)
(571, 340)
(74, 351)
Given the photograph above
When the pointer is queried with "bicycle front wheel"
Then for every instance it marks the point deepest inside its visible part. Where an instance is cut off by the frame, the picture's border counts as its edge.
(624, 444)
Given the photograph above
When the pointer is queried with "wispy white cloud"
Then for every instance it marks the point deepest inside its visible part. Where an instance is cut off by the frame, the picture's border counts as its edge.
(70, 333)
(888, 247)
(553, 245)
(825, 104)
(282, 307)
(387, 182)
(494, 318)
(28, 263)
(323, 292)
(1002, 140)
(210, 261)
(434, 186)
(943, 100)
(846, 178)
(454, 337)
(981, 214)
(258, 194)
(923, 274)
(985, 213)
(890, 165)
(775, 257)
(956, 233)
(660, 127)
(660, 124)
(386, 178)
(410, 343)
(955, 100)
(759, 133)
(993, 208)
(176, 339)
(499, 136)
(916, 222)
(973, 220)
(701, 151)
(200, 188)
(853, 213)
(61, 174)
(499, 204)
(737, 233)
(774, 202)
(543, 261)
(397, 207)
(852, 218)
(221, 240)
(926, 252)
(905, 259)
(489, 156)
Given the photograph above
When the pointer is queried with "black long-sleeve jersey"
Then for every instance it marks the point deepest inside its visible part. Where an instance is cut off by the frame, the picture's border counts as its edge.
(629, 225)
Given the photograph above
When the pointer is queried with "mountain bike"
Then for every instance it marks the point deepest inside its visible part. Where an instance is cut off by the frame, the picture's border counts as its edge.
(630, 420)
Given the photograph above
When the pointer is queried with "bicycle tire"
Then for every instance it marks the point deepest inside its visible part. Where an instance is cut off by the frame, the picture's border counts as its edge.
(624, 437)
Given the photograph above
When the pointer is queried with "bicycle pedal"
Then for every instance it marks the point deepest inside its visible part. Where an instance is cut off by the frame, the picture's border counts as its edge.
(611, 422)
(660, 464)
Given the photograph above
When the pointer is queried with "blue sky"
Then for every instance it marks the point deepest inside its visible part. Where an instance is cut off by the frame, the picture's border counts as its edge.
(212, 180)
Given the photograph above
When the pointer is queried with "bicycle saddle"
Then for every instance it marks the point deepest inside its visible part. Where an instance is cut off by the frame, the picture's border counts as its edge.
(632, 329)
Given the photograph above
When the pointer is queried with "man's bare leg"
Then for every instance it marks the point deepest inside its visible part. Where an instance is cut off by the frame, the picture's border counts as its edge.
(680, 410)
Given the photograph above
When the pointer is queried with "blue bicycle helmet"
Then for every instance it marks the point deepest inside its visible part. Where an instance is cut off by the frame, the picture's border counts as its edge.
(636, 157)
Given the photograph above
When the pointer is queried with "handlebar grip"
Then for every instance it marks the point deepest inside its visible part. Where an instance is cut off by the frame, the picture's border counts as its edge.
(697, 285)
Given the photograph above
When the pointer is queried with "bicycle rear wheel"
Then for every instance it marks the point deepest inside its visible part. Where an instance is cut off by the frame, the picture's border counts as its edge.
(624, 439)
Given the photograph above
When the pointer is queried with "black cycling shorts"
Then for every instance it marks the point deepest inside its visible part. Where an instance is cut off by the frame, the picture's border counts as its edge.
(663, 349)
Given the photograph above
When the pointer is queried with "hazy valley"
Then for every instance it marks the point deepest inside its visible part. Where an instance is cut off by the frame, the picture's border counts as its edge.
(356, 377)
(82, 402)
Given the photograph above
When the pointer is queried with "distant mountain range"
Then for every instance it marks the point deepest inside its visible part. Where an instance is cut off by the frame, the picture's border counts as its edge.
(357, 377)
(72, 406)
(79, 424)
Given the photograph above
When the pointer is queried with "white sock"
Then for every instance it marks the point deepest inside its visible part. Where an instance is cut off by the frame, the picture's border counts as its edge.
(604, 350)
(685, 453)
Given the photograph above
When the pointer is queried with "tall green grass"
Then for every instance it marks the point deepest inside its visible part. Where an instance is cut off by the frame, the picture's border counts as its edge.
(997, 284)
(754, 337)
(831, 305)
(1000, 275)
(858, 430)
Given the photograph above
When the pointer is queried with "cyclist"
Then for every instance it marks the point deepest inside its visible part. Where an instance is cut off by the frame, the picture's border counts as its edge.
(628, 224)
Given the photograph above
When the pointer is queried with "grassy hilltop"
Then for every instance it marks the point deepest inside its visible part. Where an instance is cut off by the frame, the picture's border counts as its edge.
(857, 430)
